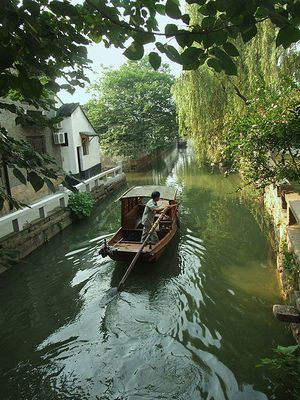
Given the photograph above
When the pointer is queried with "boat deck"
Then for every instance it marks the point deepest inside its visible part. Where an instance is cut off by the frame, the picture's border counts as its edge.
(131, 247)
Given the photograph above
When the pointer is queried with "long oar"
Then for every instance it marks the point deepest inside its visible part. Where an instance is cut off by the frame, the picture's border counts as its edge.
(133, 262)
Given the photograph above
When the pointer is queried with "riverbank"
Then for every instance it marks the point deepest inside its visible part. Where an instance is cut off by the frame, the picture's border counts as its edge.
(283, 205)
(29, 228)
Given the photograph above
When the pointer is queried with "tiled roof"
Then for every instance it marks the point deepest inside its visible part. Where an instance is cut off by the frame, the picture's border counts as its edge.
(67, 109)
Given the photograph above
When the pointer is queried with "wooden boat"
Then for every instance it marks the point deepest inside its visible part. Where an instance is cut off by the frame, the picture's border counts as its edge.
(126, 242)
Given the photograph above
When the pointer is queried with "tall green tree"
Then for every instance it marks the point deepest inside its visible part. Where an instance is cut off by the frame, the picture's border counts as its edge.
(133, 110)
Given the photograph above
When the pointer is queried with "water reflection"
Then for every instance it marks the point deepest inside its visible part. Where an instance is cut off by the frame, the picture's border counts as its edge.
(192, 326)
(144, 276)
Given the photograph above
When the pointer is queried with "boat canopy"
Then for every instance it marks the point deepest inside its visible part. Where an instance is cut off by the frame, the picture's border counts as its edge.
(166, 192)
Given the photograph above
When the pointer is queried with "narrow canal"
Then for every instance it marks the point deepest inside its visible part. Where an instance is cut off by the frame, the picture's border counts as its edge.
(192, 326)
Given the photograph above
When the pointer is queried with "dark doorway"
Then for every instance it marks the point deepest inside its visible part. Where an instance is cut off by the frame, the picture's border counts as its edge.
(79, 161)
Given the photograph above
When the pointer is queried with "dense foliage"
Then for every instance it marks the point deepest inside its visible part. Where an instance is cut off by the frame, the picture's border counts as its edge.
(286, 365)
(251, 120)
(81, 204)
(264, 143)
(41, 41)
(133, 110)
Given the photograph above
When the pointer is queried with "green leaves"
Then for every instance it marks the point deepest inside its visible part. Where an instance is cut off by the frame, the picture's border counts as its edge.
(287, 349)
(248, 28)
(36, 181)
(134, 52)
(190, 55)
(249, 33)
(172, 53)
(287, 35)
(186, 19)
(214, 63)
(50, 184)
(63, 8)
(81, 204)
(225, 61)
(19, 175)
(160, 8)
(184, 39)
(230, 49)
(155, 60)
(171, 30)
(172, 9)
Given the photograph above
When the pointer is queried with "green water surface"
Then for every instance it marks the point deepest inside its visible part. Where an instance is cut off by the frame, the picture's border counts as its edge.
(192, 326)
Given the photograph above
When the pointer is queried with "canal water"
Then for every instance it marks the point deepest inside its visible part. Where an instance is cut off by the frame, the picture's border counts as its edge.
(192, 326)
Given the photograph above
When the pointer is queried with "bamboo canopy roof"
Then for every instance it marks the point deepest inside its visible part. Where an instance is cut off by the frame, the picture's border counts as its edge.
(166, 192)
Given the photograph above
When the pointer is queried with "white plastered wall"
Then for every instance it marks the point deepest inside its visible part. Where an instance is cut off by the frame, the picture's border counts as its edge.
(73, 126)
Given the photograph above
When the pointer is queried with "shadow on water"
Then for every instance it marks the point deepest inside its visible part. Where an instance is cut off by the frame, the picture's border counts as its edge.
(191, 326)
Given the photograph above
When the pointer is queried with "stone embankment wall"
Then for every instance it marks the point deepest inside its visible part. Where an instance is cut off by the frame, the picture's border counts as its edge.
(283, 204)
(140, 164)
(31, 235)
(145, 162)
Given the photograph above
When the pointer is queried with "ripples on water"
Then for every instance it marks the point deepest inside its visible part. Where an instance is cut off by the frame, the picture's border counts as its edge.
(192, 326)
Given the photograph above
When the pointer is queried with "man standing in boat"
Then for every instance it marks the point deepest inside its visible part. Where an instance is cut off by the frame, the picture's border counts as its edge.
(151, 208)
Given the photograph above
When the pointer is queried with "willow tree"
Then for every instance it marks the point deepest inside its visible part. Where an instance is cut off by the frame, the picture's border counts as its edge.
(207, 99)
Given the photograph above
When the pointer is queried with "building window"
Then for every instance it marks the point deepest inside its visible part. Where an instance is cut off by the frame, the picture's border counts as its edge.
(85, 147)
(38, 143)
(34, 113)
(66, 140)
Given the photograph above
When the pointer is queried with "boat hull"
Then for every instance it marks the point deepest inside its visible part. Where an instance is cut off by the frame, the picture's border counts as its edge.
(126, 252)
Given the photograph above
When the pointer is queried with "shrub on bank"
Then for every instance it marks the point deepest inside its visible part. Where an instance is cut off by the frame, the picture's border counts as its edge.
(81, 204)
(285, 363)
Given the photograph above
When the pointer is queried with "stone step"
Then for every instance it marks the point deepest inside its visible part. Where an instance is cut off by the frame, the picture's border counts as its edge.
(293, 233)
(293, 204)
(286, 313)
